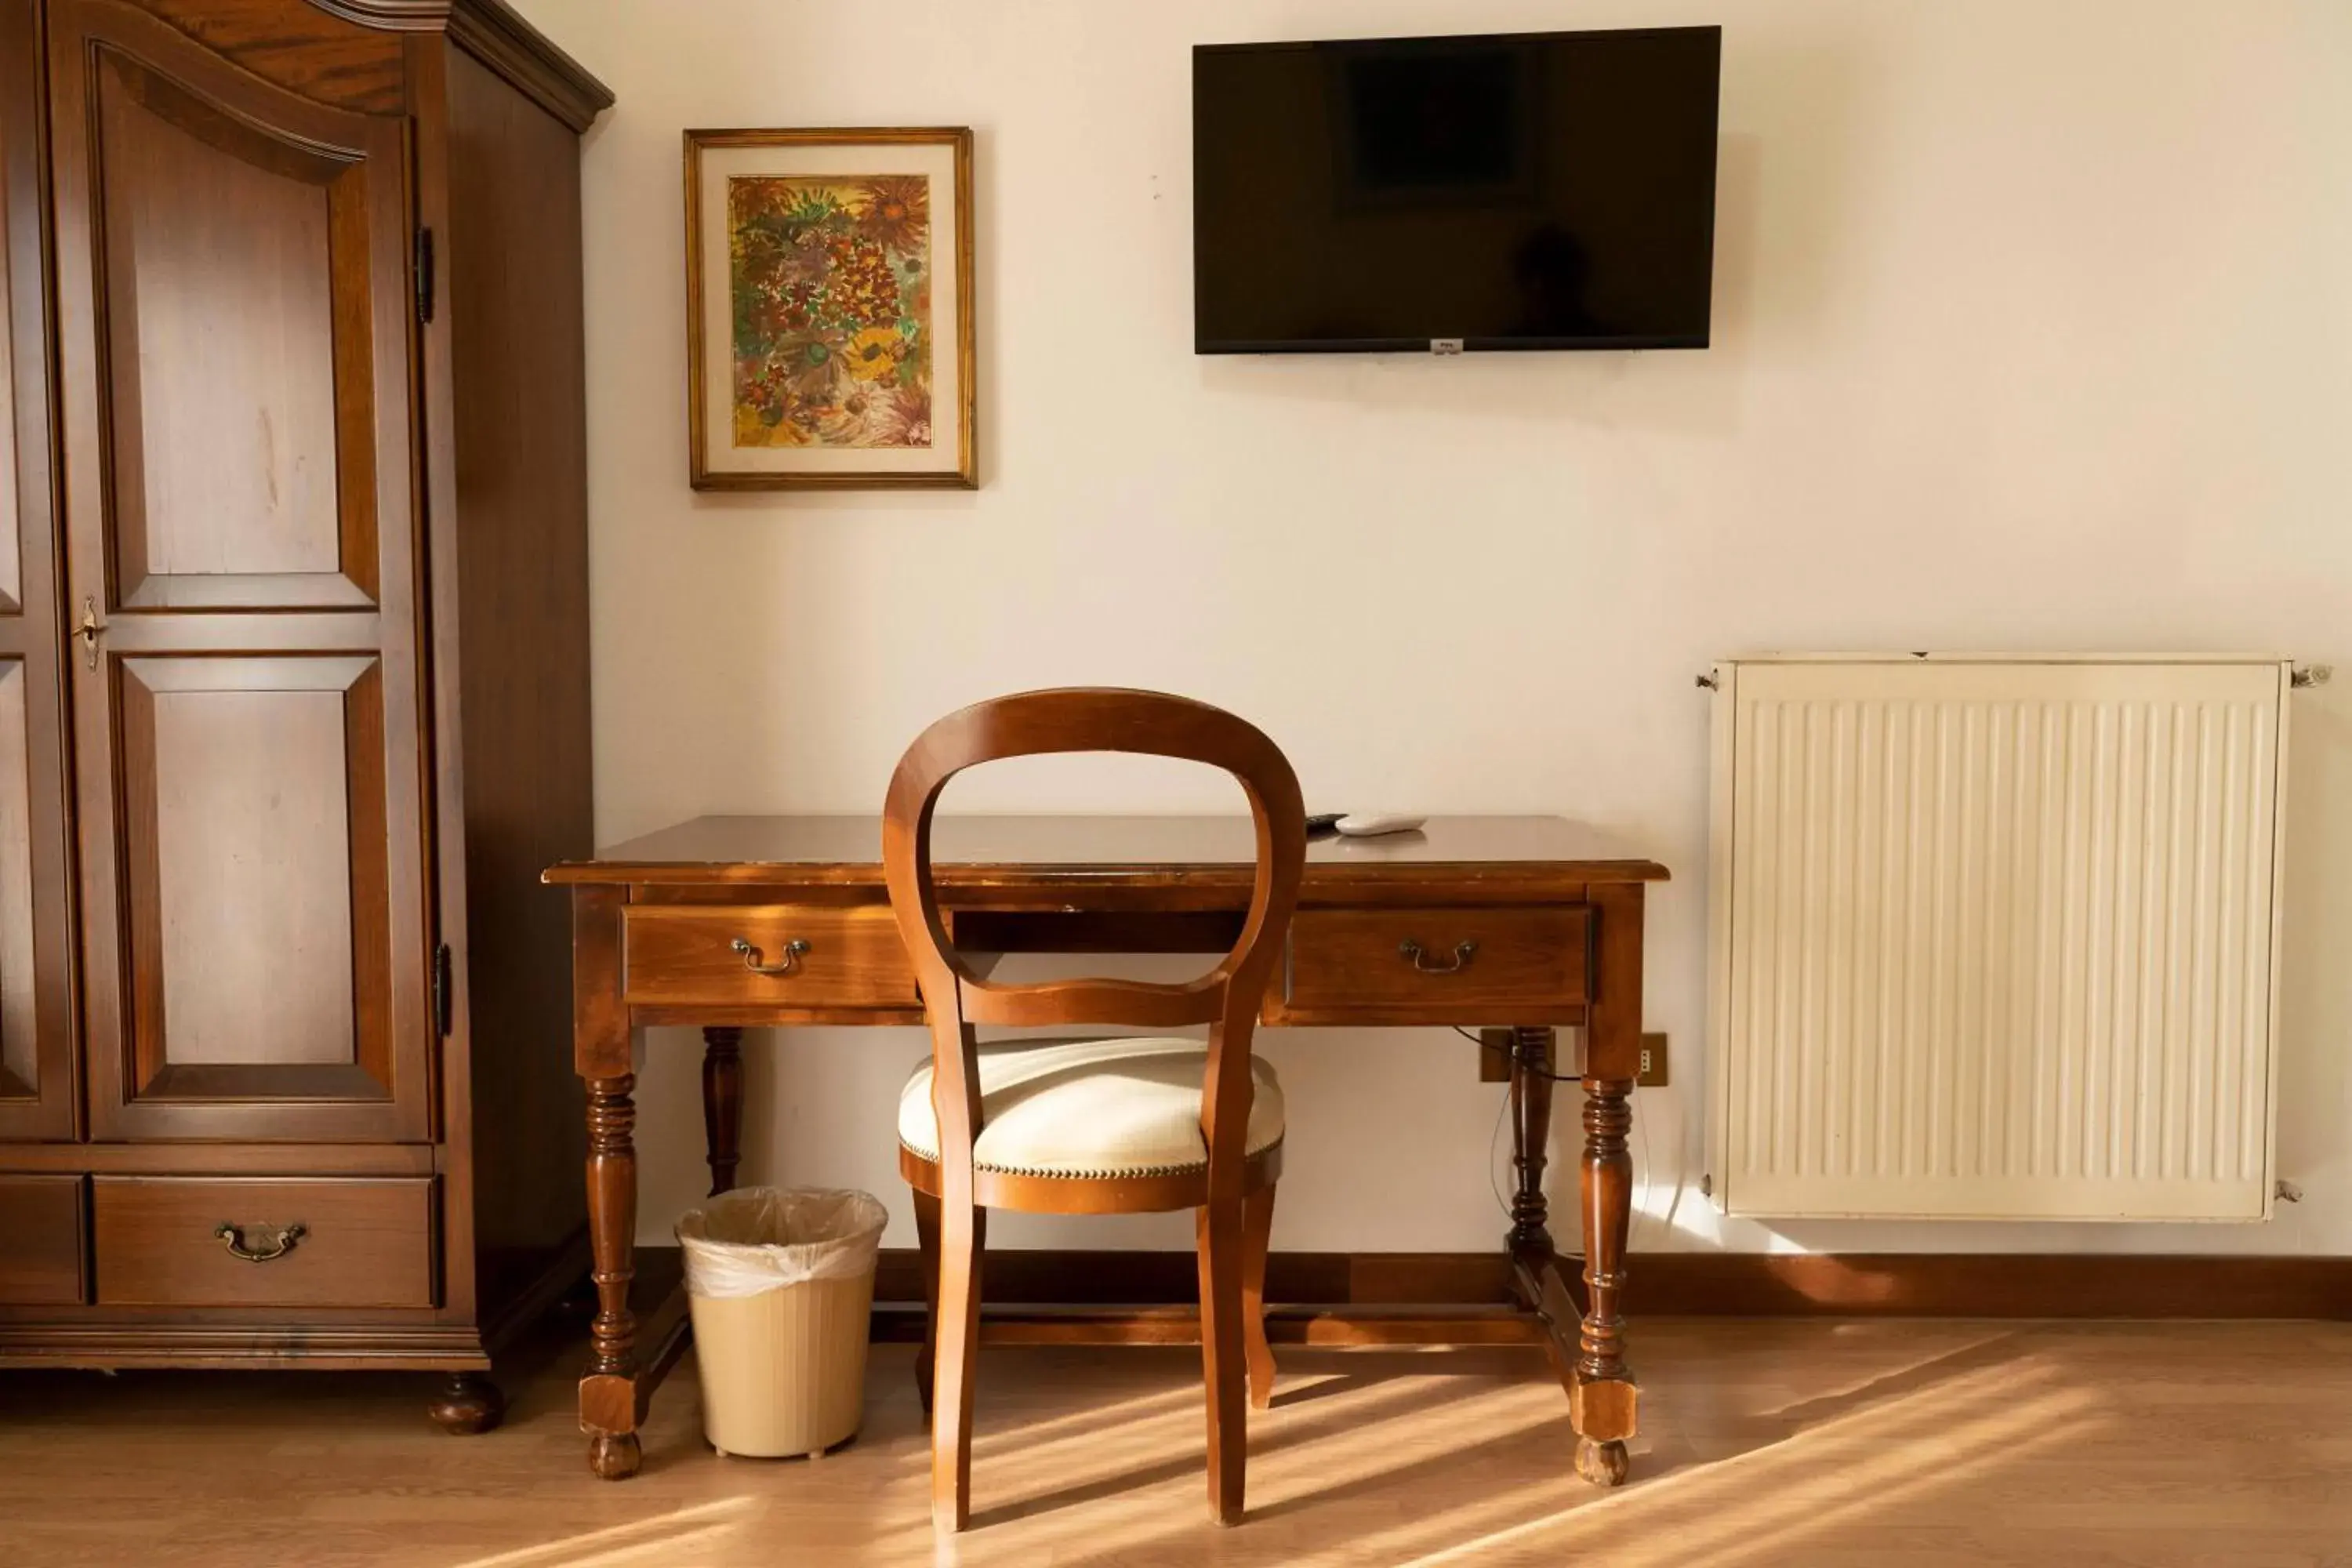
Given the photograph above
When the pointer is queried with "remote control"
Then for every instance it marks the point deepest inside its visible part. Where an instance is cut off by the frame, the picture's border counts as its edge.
(1374, 824)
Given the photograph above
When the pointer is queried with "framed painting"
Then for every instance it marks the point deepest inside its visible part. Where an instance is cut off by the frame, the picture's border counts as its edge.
(829, 309)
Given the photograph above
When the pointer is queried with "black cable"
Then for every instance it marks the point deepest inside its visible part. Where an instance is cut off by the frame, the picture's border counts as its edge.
(1485, 1044)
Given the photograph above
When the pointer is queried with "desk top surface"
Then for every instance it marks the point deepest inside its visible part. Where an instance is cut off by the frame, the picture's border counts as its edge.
(848, 849)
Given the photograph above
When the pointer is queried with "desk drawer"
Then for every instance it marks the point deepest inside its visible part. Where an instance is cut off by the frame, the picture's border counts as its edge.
(363, 1241)
(1441, 965)
(686, 955)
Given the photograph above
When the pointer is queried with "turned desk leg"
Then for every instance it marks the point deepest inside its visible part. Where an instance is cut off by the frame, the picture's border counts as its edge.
(1535, 1265)
(601, 1053)
(722, 1104)
(608, 1394)
(1532, 1056)
(1602, 1402)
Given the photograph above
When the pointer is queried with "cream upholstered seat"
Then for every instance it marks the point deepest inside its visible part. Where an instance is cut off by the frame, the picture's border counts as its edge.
(1090, 1108)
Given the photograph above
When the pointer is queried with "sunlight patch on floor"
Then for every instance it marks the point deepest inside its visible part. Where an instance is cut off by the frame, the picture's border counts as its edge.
(643, 1540)
(1078, 1425)
(1108, 1490)
(1724, 1510)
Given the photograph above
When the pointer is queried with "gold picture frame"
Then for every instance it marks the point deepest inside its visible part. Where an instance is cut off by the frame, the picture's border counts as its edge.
(823, 347)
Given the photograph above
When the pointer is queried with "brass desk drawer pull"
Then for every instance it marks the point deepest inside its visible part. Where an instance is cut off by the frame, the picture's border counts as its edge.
(793, 951)
(786, 956)
(1379, 965)
(233, 1237)
(1420, 960)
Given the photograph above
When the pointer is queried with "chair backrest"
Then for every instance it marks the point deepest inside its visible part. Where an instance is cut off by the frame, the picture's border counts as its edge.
(1227, 997)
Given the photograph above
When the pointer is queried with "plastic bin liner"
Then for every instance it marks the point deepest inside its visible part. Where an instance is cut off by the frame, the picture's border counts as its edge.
(758, 1239)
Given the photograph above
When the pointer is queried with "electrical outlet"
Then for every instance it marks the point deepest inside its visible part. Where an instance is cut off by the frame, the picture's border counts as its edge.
(1494, 1056)
(1653, 1073)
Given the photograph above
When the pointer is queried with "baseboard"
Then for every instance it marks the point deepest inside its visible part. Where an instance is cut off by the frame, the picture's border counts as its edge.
(1703, 1284)
(1990, 1285)
(1030, 1276)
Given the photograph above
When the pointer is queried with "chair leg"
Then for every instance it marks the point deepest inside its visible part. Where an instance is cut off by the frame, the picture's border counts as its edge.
(964, 1238)
(927, 1238)
(1222, 1359)
(1257, 1232)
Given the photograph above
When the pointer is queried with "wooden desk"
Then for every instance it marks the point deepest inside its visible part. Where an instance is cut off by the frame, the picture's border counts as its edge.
(1533, 922)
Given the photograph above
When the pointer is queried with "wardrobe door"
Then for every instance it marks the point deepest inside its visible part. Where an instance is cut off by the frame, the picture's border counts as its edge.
(38, 1096)
(237, 334)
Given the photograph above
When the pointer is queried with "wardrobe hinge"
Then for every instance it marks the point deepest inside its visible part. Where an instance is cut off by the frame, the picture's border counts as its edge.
(423, 274)
(441, 999)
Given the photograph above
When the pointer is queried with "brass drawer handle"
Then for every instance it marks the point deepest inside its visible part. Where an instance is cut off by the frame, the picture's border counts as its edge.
(233, 1237)
(1419, 956)
(793, 951)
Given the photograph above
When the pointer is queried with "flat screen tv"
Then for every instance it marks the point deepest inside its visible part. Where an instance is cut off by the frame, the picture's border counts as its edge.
(1520, 190)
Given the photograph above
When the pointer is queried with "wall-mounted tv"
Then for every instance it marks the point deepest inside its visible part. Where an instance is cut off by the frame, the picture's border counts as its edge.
(1520, 190)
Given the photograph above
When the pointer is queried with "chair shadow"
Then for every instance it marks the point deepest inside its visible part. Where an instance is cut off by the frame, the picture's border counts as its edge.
(1436, 1474)
(1307, 1431)
(1559, 1430)
(1998, 1349)
(1321, 1388)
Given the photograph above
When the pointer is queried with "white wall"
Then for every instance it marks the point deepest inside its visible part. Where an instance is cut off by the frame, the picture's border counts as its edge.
(2034, 329)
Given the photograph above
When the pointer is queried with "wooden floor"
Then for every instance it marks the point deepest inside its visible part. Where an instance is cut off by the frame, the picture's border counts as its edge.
(1884, 1444)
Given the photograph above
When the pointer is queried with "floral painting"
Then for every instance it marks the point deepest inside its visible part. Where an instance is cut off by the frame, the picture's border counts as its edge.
(829, 306)
(831, 301)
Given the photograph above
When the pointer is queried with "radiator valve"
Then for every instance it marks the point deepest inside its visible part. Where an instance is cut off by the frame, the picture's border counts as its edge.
(2304, 675)
(2288, 1193)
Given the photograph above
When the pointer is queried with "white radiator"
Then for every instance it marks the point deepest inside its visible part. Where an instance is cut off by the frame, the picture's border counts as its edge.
(1994, 939)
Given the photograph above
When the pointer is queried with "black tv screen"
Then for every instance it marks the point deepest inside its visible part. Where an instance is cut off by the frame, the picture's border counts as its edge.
(1523, 190)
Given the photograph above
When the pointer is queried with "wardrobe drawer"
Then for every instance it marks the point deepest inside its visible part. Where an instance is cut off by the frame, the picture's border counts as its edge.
(778, 955)
(231, 1241)
(1526, 965)
(40, 1241)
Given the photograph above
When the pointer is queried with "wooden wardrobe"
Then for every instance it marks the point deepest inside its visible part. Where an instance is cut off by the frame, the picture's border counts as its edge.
(293, 683)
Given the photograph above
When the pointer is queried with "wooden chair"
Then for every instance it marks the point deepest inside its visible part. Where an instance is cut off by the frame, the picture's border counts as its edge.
(1094, 1126)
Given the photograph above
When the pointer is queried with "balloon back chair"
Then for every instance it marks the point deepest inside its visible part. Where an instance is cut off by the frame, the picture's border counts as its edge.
(1094, 1125)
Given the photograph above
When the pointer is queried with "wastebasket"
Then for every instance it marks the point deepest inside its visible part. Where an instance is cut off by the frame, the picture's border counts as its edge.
(781, 1285)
